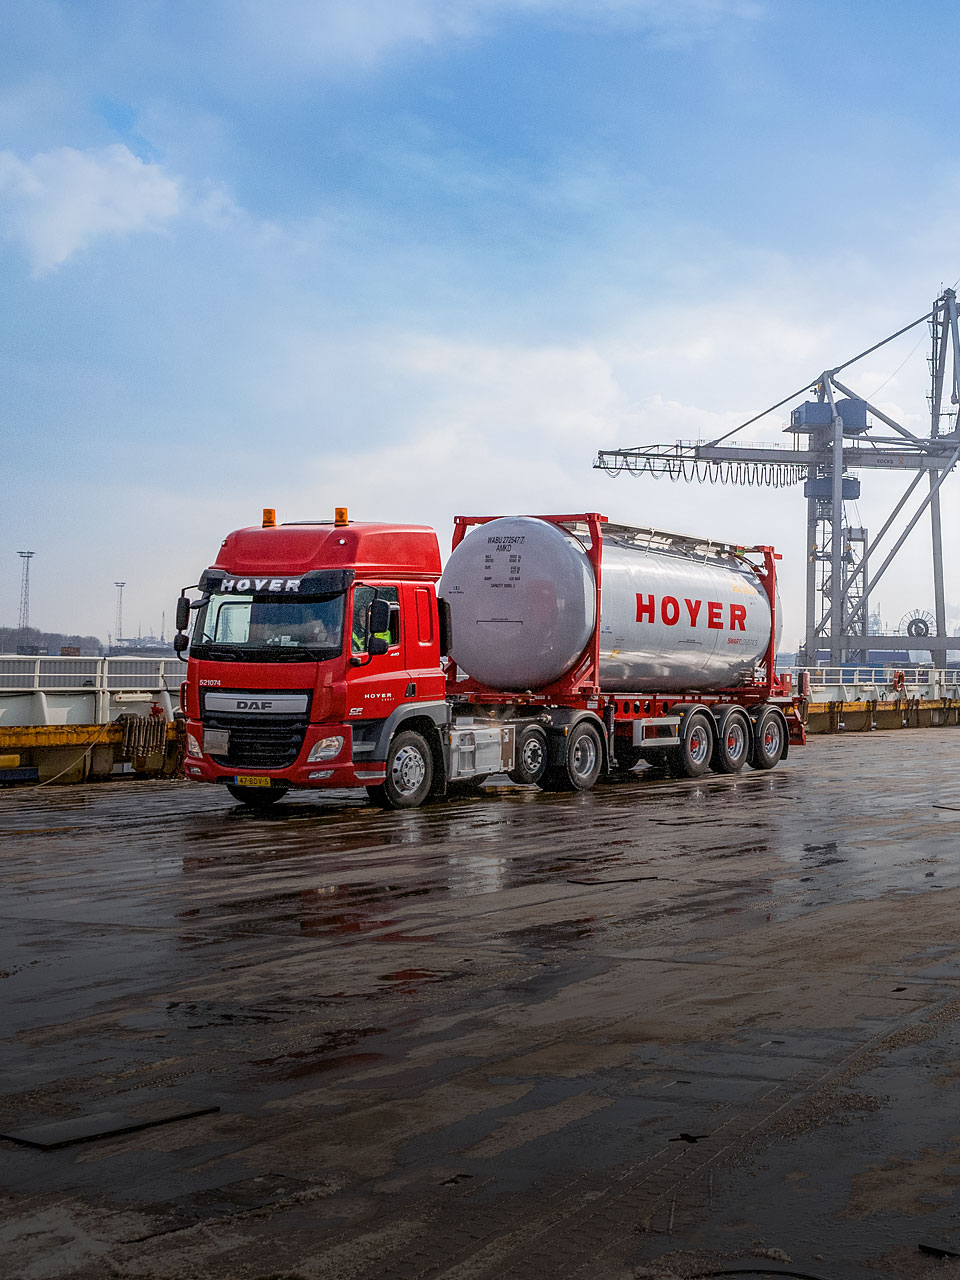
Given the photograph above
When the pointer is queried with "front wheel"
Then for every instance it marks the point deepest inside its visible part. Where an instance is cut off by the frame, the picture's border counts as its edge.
(256, 797)
(582, 762)
(409, 773)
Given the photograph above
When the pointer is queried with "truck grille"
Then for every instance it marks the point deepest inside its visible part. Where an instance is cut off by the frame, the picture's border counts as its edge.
(263, 742)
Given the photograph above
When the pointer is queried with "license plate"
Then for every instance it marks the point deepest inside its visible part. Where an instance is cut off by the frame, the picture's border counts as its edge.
(216, 742)
(252, 780)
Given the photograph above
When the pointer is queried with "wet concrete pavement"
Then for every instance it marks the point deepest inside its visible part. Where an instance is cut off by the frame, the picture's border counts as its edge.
(661, 1026)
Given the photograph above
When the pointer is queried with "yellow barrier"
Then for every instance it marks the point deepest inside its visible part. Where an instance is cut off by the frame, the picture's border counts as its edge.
(895, 713)
(82, 752)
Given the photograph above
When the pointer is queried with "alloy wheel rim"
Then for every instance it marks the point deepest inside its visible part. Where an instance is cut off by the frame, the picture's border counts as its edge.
(584, 756)
(698, 744)
(408, 770)
(736, 741)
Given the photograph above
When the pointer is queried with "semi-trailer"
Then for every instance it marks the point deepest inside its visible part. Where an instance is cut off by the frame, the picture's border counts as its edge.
(560, 649)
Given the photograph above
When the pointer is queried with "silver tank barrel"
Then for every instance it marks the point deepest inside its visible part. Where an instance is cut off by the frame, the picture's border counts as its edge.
(522, 601)
(670, 622)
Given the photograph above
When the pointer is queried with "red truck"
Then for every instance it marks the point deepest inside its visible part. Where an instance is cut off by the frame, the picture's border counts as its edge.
(558, 649)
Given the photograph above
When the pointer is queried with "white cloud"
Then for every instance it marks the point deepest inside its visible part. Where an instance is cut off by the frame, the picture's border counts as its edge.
(364, 31)
(60, 201)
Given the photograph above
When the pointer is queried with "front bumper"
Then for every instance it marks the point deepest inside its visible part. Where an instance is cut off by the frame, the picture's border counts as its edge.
(340, 772)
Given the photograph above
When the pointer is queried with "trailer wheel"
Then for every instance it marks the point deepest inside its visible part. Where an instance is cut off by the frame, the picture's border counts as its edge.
(530, 756)
(769, 739)
(257, 797)
(734, 742)
(409, 773)
(582, 762)
(692, 760)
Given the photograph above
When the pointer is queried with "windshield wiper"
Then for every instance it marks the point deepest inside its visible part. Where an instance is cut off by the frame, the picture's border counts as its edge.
(238, 653)
(297, 653)
(219, 652)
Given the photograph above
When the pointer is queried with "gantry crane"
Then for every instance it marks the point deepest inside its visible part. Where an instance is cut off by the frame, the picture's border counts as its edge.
(835, 435)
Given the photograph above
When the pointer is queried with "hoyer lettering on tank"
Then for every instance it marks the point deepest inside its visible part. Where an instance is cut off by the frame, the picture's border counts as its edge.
(670, 611)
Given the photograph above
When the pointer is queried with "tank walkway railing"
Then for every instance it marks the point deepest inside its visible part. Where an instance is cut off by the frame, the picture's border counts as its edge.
(62, 690)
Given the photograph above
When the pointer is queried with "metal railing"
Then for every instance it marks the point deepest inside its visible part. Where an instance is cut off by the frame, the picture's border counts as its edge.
(46, 691)
(914, 679)
(51, 673)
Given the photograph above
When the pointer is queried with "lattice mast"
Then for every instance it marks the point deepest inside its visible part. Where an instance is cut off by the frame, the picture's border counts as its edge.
(24, 621)
(118, 621)
(833, 437)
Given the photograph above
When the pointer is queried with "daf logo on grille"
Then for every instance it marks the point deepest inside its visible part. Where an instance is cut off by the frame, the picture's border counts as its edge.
(252, 703)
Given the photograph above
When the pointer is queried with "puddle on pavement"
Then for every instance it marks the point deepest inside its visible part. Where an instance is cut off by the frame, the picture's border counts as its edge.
(326, 1055)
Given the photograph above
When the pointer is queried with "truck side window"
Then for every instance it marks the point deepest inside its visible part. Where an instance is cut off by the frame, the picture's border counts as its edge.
(424, 616)
(362, 596)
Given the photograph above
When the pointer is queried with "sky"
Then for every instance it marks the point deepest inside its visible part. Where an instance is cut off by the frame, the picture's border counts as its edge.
(426, 257)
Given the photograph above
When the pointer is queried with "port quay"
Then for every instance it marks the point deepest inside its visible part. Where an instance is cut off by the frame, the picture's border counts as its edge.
(668, 1024)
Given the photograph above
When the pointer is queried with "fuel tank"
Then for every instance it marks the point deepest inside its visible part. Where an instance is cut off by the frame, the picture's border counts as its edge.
(672, 619)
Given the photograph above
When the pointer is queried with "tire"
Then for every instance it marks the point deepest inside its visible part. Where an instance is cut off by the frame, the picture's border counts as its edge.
(697, 745)
(257, 797)
(769, 739)
(582, 762)
(530, 756)
(734, 742)
(409, 773)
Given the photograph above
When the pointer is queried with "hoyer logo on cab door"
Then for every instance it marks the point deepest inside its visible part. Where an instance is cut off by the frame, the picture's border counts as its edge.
(670, 612)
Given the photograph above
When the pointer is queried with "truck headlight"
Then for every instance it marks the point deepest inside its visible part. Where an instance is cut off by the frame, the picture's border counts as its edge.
(325, 749)
(193, 746)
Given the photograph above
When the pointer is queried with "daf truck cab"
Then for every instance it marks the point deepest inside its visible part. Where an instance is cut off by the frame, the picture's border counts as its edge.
(312, 646)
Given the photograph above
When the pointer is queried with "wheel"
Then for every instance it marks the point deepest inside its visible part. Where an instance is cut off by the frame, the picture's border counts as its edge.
(769, 739)
(409, 773)
(734, 742)
(256, 797)
(696, 747)
(582, 762)
(530, 756)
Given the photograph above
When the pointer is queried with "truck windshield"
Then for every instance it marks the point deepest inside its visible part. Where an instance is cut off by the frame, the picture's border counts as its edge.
(231, 626)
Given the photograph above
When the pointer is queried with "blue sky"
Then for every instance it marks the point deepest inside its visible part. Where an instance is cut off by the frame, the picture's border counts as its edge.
(421, 257)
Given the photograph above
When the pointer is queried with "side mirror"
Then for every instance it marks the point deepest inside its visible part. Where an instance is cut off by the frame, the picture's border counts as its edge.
(379, 617)
(183, 613)
(180, 642)
(377, 646)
